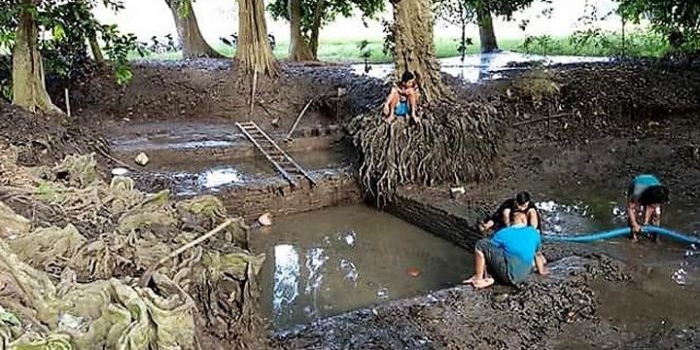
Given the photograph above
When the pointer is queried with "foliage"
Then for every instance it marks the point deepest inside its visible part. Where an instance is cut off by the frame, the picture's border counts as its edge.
(592, 35)
(328, 10)
(458, 13)
(65, 27)
(677, 20)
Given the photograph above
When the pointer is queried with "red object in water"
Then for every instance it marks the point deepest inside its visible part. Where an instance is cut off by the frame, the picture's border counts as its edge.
(413, 272)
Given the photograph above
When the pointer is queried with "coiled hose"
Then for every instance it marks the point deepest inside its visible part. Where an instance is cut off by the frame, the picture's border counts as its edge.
(592, 237)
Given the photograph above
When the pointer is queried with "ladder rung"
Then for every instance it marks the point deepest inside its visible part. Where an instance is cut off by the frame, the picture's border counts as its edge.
(281, 160)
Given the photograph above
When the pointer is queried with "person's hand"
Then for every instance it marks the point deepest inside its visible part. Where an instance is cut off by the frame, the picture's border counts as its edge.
(385, 110)
(482, 227)
(636, 228)
(544, 271)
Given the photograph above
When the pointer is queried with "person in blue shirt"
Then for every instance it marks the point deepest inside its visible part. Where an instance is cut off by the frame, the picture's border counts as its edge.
(508, 255)
(645, 195)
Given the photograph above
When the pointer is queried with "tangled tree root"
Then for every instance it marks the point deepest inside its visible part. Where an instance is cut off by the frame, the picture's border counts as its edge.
(74, 281)
(454, 142)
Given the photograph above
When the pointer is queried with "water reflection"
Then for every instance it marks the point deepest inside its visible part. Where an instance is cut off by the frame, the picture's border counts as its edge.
(286, 280)
(481, 67)
(347, 258)
(217, 177)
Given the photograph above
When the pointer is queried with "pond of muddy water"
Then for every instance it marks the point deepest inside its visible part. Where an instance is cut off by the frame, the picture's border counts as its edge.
(344, 258)
(667, 282)
(198, 176)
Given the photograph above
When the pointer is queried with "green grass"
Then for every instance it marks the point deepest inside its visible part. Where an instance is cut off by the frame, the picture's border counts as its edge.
(348, 51)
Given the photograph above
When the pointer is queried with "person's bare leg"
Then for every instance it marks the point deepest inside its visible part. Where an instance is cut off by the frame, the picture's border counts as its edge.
(479, 267)
(413, 104)
(390, 106)
(652, 215)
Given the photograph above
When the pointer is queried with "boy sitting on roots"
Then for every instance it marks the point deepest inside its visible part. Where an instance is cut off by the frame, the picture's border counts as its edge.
(403, 99)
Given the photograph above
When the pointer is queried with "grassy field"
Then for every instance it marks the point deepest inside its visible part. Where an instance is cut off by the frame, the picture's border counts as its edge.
(636, 45)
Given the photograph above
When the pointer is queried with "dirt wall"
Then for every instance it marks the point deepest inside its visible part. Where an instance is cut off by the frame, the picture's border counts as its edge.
(280, 198)
(457, 227)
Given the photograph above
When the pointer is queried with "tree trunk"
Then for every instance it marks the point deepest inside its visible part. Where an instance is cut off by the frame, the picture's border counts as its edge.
(487, 36)
(254, 54)
(28, 86)
(96, 50)
(414, 49)
(316, 26)
(299, 49)
(193, 44)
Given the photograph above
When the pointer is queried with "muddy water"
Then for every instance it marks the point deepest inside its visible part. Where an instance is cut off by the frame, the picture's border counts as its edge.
(327, 262)
(198, 176)
(667, 288)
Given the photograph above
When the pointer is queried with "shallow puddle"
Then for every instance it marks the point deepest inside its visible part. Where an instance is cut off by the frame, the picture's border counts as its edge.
(198, 176)
(667, 284)
(482, 66)
(339, 259)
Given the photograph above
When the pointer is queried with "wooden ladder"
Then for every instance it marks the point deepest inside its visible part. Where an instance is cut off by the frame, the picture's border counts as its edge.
(278, 157)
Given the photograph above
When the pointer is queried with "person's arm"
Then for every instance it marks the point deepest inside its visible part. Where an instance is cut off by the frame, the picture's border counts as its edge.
(540, 262)
(632, 215)
(532, 218)
(413, 102)
(505, 217)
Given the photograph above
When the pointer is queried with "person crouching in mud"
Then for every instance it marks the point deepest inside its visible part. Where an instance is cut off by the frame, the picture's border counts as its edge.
(522, 203)
(403, 99)
(508, 255)
(645, 195)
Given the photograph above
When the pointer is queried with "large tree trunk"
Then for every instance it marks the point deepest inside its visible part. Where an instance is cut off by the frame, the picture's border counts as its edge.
(193, 44)
(299, 49)
(486, 34)
(414, 50)
(254, 54)
(28, 86)
(316, 26)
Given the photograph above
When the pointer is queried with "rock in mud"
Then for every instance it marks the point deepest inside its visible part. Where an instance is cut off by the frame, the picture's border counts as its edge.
(141, 159)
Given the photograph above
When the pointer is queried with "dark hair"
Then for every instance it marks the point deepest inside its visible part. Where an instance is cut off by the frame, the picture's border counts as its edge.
(522, 198)
(654, 195)
(407, 76)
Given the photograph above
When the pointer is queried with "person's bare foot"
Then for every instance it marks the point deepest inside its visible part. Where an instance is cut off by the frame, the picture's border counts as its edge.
(390, 119)
(471, 279)
(483, 283)
(634, 238)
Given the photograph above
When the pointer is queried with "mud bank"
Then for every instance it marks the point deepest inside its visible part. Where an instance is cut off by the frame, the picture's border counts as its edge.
(463, 318)
(177, 143)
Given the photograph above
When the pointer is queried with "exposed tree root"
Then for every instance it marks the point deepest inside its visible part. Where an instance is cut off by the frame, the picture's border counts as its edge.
(453, 142)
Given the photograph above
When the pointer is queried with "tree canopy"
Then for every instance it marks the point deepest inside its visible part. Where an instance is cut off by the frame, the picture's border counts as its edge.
(65, 29)
(678, 20)
(315, 14)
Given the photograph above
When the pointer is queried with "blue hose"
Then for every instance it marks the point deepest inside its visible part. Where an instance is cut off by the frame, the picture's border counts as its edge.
(588, 238)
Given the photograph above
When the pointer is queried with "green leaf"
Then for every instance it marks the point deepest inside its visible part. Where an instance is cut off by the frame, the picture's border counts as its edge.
(9, 318)
(58, 32)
